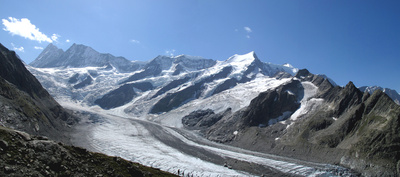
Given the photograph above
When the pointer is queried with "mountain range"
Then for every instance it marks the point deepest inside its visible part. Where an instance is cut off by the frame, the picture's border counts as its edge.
(240, 101)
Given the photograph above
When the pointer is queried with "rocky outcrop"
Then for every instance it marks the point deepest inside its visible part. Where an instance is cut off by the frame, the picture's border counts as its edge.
(84, 83)
(117, 97)
(22, 154)
(273, 103)
(202, 119)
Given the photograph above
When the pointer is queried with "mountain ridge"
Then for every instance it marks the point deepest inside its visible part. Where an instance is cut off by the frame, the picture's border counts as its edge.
(79, 55)
(390, 92)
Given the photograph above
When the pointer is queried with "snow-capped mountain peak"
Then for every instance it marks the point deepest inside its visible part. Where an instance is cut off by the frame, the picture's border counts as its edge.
(79, 56)
(242, 59)
(79, 49)
(47, 57)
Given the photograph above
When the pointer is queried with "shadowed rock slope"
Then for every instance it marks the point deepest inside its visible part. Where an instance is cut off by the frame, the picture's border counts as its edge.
(338, 125)
(25, 104)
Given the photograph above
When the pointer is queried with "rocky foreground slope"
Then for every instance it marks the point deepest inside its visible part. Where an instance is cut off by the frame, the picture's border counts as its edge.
(24, 155)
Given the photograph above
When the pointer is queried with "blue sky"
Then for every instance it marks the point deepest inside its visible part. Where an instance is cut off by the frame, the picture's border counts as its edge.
(355, 40)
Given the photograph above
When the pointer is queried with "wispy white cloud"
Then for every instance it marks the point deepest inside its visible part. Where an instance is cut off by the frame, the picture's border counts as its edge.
(247, 29)
(15, 48)
(55, 37)
(67, 41)
(170, 52)
(38, 48)
(24, 28)
(135, 41)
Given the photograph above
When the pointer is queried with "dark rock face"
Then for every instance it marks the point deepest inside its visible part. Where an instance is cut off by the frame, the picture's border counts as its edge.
(171, 85)
(117, 97)
(84, 83)
(14, 71)
(268, 105)
(377, 150)
(143, 86)
(25, 104)
(178, 70)
(272, 104)
(24, 155)
(73, 79)
(230, 83)
(201, 119)
(282, 75)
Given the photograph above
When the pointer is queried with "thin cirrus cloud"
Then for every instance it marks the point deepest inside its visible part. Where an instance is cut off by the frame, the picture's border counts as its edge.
(170, 53)
(55, 37)
(248, 31)
(38, 48)
(24, 28)
(135, 41)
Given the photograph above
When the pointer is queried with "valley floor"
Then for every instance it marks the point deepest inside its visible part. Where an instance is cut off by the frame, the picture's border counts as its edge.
(179, 150)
